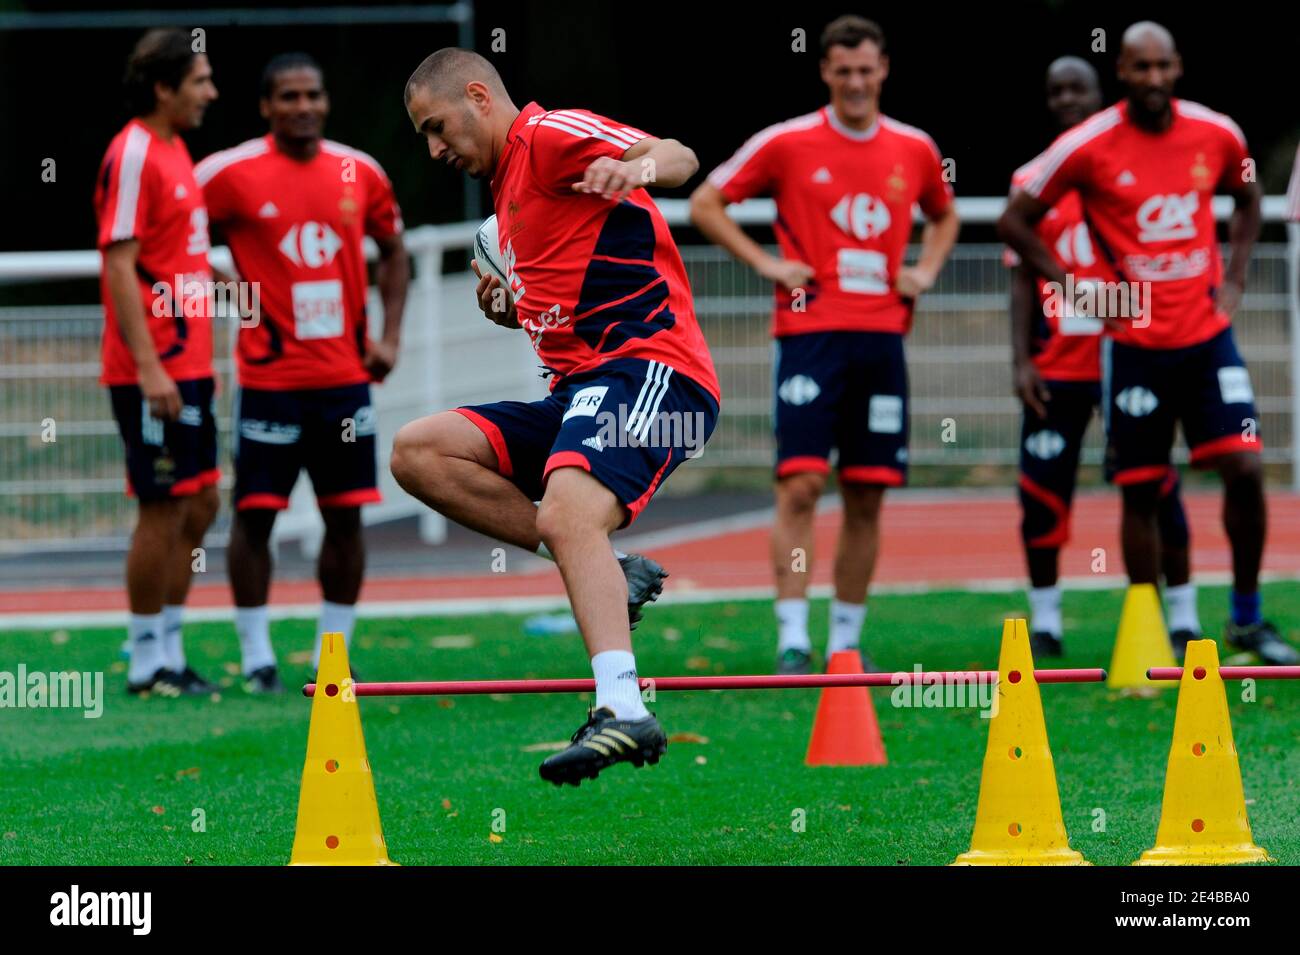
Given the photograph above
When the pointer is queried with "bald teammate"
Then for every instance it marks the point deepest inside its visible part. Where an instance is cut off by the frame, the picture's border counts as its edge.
(1146, 170)
(1057, 364)
(596, 281)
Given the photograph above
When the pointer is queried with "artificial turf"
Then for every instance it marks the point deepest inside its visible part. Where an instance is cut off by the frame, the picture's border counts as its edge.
(456, 778)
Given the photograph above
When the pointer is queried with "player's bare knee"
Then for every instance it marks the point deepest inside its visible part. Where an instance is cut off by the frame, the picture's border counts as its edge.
(799, 493)
(1242, 471)
(1142, 499)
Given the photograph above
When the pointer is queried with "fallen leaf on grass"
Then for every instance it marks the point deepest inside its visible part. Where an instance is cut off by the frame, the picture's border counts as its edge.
(698, 663)
(493, 837)
(446, 804)
(672, 634)
(545, 747)
(231, 669)
(300, 656)
(500, 697)
(721, 643)
(59, 637)
(11, 835)
(445, 703)
(700, 760)
(192, 771)
(687, 738)
(453, 641)
(158, 810)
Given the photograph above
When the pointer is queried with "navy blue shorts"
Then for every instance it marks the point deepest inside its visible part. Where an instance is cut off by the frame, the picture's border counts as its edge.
(329, 431)
(168, 458)
(847, 391)
(629, 423)
(1147, 391)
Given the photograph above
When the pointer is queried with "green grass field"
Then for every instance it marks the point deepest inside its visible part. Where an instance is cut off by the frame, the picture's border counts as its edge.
(124, 789)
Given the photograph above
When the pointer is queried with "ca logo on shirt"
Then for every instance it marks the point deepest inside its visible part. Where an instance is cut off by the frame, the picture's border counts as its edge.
(861, 215)
(1166, 217)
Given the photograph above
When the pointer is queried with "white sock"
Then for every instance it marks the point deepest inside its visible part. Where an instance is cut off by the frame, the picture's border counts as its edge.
(1045, 608)
(146, 632)
(1181, 605)
(173, 650)
(253, 625)
(846, 626)
(792, 625)
(334, 618)
(616, 684)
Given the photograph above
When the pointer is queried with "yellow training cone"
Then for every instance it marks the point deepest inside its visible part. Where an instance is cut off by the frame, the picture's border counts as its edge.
(1018, 821)
(1142, 641)
(1203, 816)
(338, 817)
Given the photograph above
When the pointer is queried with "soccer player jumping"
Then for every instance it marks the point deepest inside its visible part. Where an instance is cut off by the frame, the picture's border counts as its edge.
(1146, 171)
(1057, 362)
(845, 180)
(157, 350)
(295, 208)
(596, 281)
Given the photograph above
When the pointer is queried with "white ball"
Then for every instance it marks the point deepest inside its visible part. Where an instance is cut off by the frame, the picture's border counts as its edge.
(487, 251)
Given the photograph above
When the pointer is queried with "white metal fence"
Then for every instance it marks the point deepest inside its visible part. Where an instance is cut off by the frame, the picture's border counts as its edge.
(68, 491)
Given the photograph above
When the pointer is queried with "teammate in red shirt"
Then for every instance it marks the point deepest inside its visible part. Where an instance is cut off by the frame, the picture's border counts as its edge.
(1146, 170)
(1057, 356)
(596, 281)
(157, 347)
(295, 208)
(845, 180)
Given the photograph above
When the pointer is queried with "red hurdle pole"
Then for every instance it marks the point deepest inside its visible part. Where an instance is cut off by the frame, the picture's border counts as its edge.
(473, 687)
(1230, 673)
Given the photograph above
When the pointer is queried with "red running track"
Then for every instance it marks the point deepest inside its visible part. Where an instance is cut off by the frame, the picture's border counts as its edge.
(926, 541)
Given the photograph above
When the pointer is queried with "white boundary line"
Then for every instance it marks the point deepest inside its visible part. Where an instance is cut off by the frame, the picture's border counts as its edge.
(475, 606)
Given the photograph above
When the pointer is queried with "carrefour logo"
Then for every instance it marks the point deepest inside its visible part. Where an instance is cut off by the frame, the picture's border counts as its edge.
(798, 390)
(1045, 445)
(861, 215)
(1136, 402)
(312, 244)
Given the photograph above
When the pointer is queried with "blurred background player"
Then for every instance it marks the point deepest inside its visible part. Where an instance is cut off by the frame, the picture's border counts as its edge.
(596, 281)
(1057, 360)
(845, 180)
(157, 346)
(1146, 170)
(294, 208)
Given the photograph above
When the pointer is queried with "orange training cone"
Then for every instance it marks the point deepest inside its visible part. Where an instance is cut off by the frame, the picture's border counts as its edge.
(338, 817)
(1203, 815)
(1018, 819)
(845, 731)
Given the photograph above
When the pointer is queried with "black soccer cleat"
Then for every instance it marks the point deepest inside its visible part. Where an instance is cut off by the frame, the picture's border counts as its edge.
(263, 680)
(793, 662)
(1263, 640)
(645, 582)
(163, 683)
(1044, 643)
(603, 741)
(1179, 640)
(192, 684)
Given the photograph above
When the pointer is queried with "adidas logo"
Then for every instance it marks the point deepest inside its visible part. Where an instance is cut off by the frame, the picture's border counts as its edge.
(1125, 178)
(822, 175)
(268, 211)
(593, 442)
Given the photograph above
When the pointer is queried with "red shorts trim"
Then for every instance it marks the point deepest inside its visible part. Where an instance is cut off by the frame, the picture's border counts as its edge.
(187, 487)
(353, 498)
(565, 459)
(635, 508)
(803, 465)
(1152, 472)
(1060, 534)
(1228, 444)
(495, 438)
(262, 502)
(864, 474)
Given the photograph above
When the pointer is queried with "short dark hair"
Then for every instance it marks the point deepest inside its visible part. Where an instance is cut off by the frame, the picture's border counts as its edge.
(160, 56)
(283, 63)
(850, 30)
